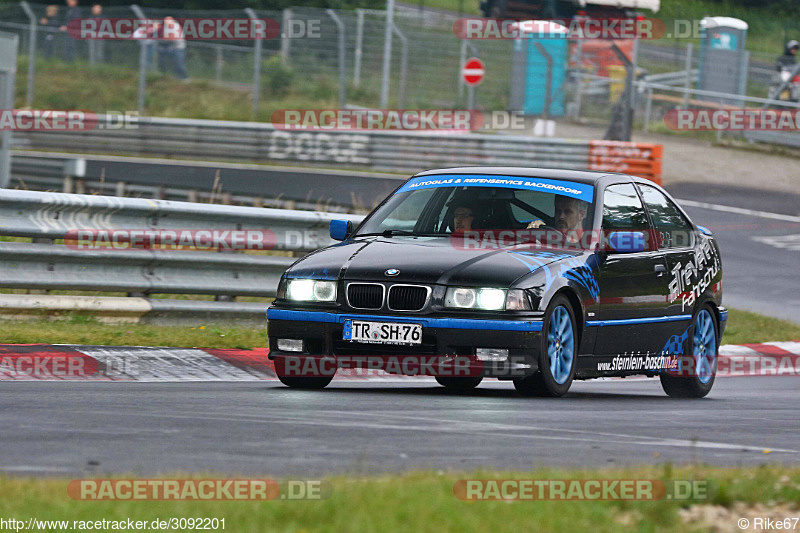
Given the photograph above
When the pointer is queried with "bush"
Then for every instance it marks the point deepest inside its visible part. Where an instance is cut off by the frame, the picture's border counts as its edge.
(277, 77)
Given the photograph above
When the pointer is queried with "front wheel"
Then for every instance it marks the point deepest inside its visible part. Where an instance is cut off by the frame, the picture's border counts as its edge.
(702, 347)
(558, 354)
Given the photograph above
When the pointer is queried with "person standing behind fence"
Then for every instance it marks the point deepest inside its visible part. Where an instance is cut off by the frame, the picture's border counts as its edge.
(174, 47)
(72, 12)
(96, 46)
(51, 23)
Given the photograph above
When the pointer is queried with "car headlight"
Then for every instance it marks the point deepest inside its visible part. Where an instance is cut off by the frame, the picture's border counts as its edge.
(488, 299)
(311, 290)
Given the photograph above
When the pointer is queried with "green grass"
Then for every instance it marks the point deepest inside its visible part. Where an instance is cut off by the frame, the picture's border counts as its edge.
(743, 328)
(424, 501)
(80, 329)
(110, 87)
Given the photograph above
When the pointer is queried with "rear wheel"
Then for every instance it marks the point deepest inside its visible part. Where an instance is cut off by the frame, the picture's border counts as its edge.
(557, 359)
(459, 384)
(306, 382)
(702, 347)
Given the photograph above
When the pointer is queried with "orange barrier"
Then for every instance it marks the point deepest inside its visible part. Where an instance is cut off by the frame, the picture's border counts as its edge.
(637, 159)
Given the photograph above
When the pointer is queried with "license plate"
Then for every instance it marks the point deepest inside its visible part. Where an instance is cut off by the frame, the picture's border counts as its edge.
(382, 332)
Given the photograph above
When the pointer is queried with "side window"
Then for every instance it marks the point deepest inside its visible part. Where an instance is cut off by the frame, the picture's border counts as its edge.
(622, 209)
(675, 230)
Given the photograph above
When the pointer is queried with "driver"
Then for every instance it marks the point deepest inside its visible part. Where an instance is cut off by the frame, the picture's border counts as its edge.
(463, 216)
(569, 215)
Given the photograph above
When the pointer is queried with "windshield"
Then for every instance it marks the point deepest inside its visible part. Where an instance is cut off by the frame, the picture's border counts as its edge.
(446, 205)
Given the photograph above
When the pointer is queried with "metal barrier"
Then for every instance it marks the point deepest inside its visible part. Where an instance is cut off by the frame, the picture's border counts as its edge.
(280, 187)
(44, 265)
(397, 151)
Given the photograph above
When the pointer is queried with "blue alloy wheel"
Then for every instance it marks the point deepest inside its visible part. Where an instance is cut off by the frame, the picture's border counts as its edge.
(705, 346)
(561, 344)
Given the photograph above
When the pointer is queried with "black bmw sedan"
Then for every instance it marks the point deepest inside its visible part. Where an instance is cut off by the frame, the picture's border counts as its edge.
(535, 276)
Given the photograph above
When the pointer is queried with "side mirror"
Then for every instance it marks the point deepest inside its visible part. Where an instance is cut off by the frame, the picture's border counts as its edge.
(626, 242)
(340, 229)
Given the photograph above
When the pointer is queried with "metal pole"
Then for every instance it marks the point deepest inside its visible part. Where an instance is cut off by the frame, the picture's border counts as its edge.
(218, 73)
(137, 11)
(387, 54)
(256, 67)
(579, 86)
(8, 65)
(631, 78)
(142, 76)
(359, 44)
(342, 80)
(648, 109)
(462, 58)
(687, 82)
(287, 17)
(471, 97)
(31, 52)
(403, 67)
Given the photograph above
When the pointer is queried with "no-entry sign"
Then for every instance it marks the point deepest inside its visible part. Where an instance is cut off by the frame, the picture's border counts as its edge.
(473, 71)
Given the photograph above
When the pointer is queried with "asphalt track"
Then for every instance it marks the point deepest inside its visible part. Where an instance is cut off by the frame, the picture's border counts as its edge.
(59, 428)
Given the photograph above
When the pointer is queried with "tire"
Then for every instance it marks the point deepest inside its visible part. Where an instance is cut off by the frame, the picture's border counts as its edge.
(702, 345)
(306, 382)
(558, 354)
(459, 384)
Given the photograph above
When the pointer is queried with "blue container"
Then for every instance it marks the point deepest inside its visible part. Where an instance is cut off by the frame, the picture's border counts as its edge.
(536, 72)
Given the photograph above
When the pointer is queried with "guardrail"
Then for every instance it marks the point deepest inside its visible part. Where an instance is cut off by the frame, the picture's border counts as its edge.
(281, 187)
(396, 151)
(44, 265)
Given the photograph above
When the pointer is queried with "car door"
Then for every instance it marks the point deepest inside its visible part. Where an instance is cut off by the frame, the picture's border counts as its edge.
(677, 243)
(633, 287)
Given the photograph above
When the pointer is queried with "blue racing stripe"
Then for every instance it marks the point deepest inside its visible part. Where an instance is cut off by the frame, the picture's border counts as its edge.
(447, 323)
(631, 321)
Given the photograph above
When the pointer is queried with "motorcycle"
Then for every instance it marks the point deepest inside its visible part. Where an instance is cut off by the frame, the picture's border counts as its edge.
(790, 92)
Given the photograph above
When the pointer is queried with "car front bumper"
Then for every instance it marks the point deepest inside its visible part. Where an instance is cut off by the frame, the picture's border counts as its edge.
(444, 339)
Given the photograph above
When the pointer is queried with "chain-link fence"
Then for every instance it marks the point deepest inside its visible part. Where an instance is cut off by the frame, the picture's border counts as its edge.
(425, 64)
(334, 58)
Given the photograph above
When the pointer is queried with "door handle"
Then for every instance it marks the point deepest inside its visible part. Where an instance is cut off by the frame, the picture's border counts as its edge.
(661, 269)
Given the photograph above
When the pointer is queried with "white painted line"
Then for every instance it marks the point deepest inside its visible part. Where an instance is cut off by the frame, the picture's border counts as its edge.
(782, 242)
(739, 210)
(33, 468)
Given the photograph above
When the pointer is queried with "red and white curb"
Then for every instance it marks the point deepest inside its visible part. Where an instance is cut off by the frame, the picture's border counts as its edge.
(62, 362)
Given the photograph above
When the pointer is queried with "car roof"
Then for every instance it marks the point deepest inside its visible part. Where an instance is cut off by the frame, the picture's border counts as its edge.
(578, 175)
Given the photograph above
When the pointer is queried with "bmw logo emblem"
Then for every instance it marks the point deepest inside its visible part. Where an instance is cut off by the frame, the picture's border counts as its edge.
(392, 272)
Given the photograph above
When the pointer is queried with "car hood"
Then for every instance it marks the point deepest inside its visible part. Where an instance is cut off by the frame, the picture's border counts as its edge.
(429, 260)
